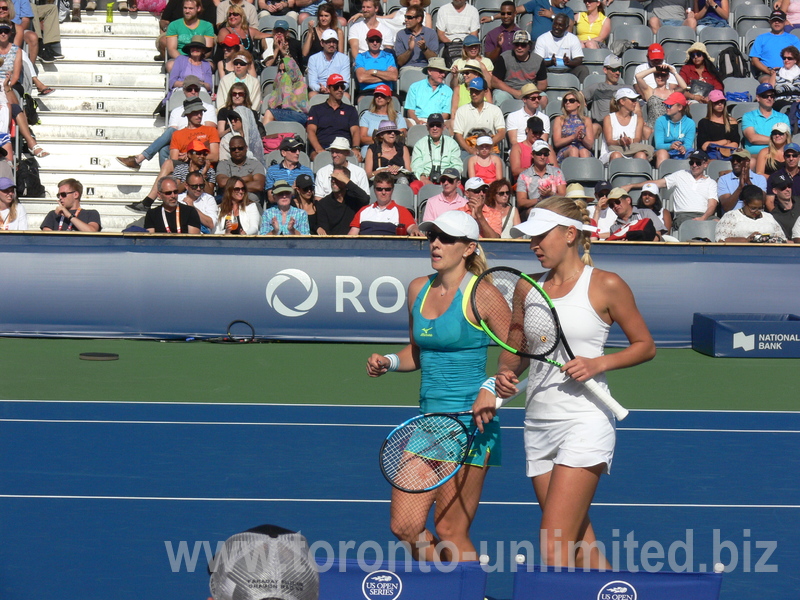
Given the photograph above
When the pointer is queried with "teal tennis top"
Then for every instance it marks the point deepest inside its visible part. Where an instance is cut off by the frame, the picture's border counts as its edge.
(453, 363)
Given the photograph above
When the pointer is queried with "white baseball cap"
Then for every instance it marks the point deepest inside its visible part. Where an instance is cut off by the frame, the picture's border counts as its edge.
(474, 183)
(625, 93)
(484, 140)
(454, 222)
(650, 187)
(539, 145)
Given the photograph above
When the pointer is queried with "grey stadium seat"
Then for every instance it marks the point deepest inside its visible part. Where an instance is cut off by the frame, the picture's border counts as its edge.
(671, 165)
(697, 229)
(583, 170)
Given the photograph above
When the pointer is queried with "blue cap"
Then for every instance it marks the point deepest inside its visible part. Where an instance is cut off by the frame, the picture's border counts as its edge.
(6, 183)
(477, 84)
(281, 24)
(471, 40)
(764, 88)
(794, 147)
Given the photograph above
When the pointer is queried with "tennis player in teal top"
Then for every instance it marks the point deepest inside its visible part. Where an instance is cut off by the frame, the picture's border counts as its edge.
(450, 348)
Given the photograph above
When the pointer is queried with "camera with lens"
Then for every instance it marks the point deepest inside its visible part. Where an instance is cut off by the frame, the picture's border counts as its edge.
(435, 175)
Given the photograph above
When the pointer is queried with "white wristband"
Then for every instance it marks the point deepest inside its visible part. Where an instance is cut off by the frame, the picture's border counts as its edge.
(489, 385)
(394, 362)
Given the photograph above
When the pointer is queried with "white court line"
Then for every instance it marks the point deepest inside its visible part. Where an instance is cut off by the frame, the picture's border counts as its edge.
(258, 404)
(386, 501)
(368, 425)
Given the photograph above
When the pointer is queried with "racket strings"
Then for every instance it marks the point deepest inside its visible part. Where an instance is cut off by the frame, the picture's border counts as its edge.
(418, 455)
(540, 326)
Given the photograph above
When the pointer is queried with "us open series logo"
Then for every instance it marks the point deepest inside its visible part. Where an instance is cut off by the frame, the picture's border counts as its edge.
(382, 584)
(617, 590)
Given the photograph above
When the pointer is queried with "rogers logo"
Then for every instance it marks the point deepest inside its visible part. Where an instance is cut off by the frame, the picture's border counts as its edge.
(303, 279)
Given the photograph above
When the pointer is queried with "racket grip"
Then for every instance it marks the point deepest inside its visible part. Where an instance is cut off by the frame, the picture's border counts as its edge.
(520, 388)
(615, 407)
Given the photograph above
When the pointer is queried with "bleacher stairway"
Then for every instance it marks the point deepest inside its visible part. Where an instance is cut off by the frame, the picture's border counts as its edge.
(106, 90)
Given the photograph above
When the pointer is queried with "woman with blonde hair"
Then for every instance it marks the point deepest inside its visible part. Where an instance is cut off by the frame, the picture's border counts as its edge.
(573, 134)
(12, 214)
(622, 129)
(770, 159)
(569, 436)
(250, 38)
(449, 347)
(238, 215)
(380, 109)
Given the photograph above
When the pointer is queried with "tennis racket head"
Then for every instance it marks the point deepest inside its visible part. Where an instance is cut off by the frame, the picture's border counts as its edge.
(424, 452)
(533, 330)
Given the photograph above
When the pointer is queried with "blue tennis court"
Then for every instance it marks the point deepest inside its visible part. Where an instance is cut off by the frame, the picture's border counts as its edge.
(130, 499)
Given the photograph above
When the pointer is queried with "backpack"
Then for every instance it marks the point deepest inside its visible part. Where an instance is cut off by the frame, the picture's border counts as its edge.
(730, 63)
(29, 185)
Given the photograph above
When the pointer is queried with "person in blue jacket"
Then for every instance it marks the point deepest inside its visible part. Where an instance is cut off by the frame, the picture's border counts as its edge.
(674, 131)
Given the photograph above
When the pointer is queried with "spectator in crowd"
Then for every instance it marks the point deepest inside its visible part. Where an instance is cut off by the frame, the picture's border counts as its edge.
(471, 53)
(655, 58)
(598, 95)
(429, 96)
(20, 13)
(730, 185)
(237, 214)
(68, 214)
(330, 63)
(771, 158)
(650, 199)
(711, 13)
(193, 64)
(181, 31)
(573, 134)
(415, 44)
(656, 98)
(359, 31)
(375, 66)
(674, 131)
(699, 73)
(332, 119)
(460, 82)
(791, 8)
(46, 26)
(602, 215)
(787, 209)
(791, 155)
(670, 12)
(622, 129)
(757, 125)
(517, 68)
(340, 150)
(449, 199)
(484, 164)
(234, 126)
(205, 203)
(238, 96)
(500, 39)
(396, 20)
(540, 180)
(251, 171)
(388, 154)
(694, 194)
(286, 170)
(326, 19)
(517, 121)
(196, 160)
(241, 63)
(457, 20)
(230, 46)
(177, 120)
(718, 133)
(11, 66)
(283, 218)
(250, 38)
(434, 154)
(285, 46)
(12, 213)
(750, 223)
(171, 217)
(592, 26)
(336, 210)
(223, 10)
(174, 12)
(381, 109)
(304, 197)
(310, 8)
(498, 211)
(620, 202)
(475, 188)
(561, 50)
(521, 155)
(766, 51)
(288, 100)
(384, 216)
(786, 80)
(477, 118)
(543, 13)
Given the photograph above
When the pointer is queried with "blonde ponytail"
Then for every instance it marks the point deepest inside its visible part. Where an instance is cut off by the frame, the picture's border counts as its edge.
(572, 209)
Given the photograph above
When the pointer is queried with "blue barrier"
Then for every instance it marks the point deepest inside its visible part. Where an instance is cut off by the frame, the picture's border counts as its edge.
(747, 335)
(539, 584)
(466, 581)
(335, 289)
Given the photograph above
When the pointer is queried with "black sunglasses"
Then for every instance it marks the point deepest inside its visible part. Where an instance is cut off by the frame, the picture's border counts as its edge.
(695, 162)
(442, 237)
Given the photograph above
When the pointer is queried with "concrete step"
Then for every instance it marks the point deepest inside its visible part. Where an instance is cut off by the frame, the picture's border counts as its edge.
(106, 120)
(141, 57)
(59, 102)
(99, 42)
(89, 134)
(95, 159)
(96, 76)
(122, 27)
(95, 65)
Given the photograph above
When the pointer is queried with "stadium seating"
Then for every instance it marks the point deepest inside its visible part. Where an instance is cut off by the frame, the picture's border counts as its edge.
(671, 165)
(583, 170)
(715, 167)
(697, 229)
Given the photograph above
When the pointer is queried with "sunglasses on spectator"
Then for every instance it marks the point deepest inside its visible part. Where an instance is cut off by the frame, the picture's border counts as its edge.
(306, 190)
(782, 188)
(196, 186)
(533, 97)
(383, 189)
(240, 63)
(778, 133)
(695, 162)
(170, 192)
(233, 14)
(770, 96)
(435, 125)
(614, 202)
(374, 40)
(238, 148)
(520, 44)
(193, 88)
(788, 57)
(227, 48)
(446, 179)
(3, 7)
(411, 17)
(64, 194)
(237, 94)
(338, 86)
(201, 153)
(442, 237)
(696, 54)
(502, 193)
(238, 189)
(542, 153)
(570, 100)
(615, 69)
(720, 102)
(5, 30)
(790, 155)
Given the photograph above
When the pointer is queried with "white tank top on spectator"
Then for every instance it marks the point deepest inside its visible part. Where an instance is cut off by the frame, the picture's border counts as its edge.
(617, 130)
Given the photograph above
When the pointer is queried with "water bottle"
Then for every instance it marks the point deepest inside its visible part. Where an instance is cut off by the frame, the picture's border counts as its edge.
(110, 12)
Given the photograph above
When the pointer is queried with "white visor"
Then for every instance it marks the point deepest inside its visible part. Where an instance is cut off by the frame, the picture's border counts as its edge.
(541, 220)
